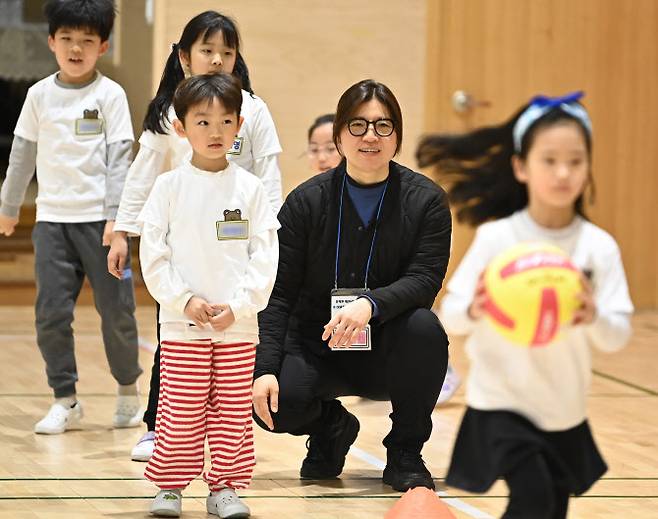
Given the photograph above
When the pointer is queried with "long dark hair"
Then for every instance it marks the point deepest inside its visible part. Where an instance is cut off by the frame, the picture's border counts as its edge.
(477, 166)
(203, 25)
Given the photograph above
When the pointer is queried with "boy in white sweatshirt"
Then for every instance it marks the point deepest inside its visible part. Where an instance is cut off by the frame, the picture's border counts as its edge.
(209, 254)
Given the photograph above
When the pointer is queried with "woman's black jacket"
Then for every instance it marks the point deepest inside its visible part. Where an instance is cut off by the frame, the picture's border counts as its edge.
(408, 265)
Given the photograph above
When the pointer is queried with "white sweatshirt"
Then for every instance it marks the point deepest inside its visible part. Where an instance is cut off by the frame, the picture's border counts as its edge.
(547, 385)
(256, 149)
(182, 255)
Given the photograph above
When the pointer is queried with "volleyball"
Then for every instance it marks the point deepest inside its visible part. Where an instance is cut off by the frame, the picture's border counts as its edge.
(532, 292)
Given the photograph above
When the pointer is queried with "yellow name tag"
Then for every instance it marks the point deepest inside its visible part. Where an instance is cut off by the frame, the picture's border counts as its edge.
(88, 126)
(233, 230)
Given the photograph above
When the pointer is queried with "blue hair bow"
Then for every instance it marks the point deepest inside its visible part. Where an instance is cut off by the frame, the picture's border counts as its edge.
(551, 102)
(541, 105)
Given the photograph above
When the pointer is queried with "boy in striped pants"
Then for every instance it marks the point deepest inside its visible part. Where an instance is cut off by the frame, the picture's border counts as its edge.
(209, 254)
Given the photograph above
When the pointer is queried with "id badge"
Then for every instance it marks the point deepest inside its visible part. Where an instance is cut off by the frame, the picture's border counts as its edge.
(88, 126)
(344, 296)
(236, 148)
(233, 230)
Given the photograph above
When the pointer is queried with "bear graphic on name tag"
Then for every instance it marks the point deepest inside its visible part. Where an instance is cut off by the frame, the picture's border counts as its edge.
(232, 216)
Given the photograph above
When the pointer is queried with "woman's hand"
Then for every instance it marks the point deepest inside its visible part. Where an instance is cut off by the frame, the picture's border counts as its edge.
(347, 323)
(477, 308)
(116, 258)
(198, 310)
(223, 317)
(266, 391)
(587, 311)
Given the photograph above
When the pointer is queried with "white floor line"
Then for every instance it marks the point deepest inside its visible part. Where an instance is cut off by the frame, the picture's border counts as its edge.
(458, 504)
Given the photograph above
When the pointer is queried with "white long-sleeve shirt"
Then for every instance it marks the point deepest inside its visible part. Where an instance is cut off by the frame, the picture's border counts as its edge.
(183, 253)
(256, 149)
(548, 384)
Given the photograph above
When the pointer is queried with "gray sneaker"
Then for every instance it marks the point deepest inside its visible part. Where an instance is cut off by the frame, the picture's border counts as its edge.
(227, 505)
(167, 503)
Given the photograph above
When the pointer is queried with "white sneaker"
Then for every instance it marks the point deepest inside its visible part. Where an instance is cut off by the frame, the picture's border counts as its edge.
(226, 504)
(59, 419)
(167, 503)
(450, 385)
(143, 449)
(128, 412)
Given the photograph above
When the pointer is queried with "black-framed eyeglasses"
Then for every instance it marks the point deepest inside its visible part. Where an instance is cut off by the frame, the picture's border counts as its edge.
(358, 126)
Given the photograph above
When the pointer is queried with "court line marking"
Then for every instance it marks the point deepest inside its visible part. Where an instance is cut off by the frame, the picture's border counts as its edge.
(625, 382)
(362, 478)
(315, 496)
(469, 510)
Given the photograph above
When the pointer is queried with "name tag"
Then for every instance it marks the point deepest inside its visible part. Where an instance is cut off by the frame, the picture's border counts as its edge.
(233, 230)
(88, 126)
(344, 296)
(236, 149)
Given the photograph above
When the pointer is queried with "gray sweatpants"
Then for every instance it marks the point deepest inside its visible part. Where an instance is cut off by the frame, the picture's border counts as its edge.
(64, 254)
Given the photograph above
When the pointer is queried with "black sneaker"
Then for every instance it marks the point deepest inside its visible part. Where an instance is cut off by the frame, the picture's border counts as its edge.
(405, 470)
(327, 450)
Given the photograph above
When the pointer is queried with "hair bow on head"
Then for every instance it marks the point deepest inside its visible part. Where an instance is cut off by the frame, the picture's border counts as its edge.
(541, 105)
(550, 102)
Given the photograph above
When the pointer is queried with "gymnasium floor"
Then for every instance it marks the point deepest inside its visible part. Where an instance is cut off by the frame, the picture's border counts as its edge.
(88, 473)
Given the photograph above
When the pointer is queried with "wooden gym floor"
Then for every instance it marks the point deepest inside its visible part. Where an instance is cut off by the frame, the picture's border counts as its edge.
(88, 473)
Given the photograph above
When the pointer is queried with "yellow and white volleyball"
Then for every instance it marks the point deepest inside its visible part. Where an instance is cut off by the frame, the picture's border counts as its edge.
(532, 291)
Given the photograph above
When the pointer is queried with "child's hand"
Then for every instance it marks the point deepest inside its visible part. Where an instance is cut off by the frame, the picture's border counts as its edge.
(198, 310)
(477, 308)
(7, 224)
(116, 258)
(587, 311)
(108, 233)
(223, 317)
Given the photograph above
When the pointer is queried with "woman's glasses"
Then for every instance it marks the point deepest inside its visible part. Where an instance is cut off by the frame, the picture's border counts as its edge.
(359, 126)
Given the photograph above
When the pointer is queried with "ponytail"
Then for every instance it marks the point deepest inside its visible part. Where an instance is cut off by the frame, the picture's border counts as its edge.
(241, 71)
(477, 167)
(477, 170)
(158, 109)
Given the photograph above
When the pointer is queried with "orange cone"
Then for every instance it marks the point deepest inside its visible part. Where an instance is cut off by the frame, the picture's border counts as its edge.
(417, 503)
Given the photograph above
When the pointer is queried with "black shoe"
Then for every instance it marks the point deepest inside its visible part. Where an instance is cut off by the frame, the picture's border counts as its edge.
(405, 470)
(327, 450)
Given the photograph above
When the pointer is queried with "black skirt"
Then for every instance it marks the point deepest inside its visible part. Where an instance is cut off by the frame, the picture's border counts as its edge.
(491, 443)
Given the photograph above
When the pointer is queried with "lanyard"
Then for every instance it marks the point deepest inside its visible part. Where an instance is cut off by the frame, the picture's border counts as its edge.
(374, 236)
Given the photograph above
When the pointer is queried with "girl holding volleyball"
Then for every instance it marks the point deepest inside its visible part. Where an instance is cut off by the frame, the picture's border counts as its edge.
(526, 419)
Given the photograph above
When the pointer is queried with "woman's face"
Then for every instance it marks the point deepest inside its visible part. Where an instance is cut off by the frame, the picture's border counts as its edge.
(322, 152)
(209, 56)
(368, 155)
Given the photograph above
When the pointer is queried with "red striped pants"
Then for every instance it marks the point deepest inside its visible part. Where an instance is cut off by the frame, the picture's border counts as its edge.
(205, 391)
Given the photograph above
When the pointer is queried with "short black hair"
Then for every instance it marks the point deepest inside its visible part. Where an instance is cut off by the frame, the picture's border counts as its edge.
(95, 15)
(360, 93)
(204, 88)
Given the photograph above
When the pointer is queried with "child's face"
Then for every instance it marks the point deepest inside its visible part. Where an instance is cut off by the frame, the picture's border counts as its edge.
(209, 56)
(76, 52)
(322, 153)
(211, 132)
(556, 169)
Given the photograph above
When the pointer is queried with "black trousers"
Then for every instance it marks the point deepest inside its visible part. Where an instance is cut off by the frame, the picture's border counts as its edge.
(154, 389)
(535, 492)
(407, 365)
